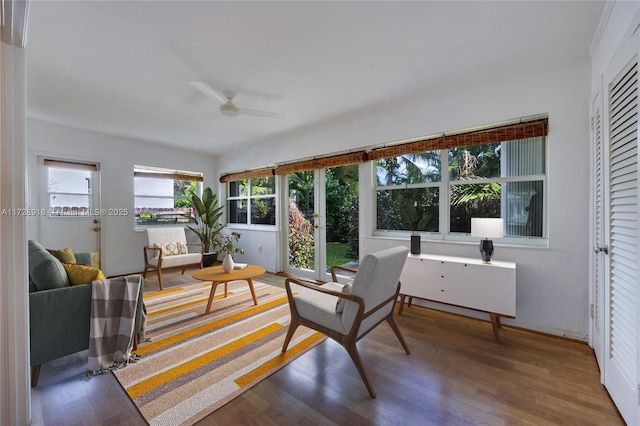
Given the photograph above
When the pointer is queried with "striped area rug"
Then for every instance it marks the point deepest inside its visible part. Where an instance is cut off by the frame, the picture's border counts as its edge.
(195, 363)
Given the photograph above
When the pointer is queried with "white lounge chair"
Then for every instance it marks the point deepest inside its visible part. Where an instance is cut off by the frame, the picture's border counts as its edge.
(168, 248)
(363, 305)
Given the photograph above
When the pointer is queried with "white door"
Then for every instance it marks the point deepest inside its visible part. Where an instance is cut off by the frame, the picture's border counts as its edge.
(69, 195)
(323, 229)
(601, 250)
(622, 296)
(306, 215)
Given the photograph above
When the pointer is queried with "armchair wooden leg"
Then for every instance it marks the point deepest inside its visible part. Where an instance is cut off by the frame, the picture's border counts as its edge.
(355, 357)
(396, 330)
(159, 278)
(35, 375)
(293, 325)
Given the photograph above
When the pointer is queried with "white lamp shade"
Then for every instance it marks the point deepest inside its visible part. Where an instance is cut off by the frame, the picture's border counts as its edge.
(487, 227)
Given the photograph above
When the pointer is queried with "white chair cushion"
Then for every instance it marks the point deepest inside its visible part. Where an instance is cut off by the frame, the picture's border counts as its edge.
(373, 319)
(165, 235)
(376, 280)
(319, 307)
(177, 260)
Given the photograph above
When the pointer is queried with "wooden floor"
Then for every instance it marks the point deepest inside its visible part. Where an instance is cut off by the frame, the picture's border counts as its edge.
(457, 374)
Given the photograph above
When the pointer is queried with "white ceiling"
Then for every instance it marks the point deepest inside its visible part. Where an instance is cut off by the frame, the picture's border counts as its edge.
(124, 67)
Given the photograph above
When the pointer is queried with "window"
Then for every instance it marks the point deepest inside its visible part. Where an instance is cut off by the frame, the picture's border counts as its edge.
(408, 192)
(162, 196)
(69, 188)
(252, 201)
(498, 179)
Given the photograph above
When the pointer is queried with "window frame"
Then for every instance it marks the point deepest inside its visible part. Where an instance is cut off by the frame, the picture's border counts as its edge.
(148, 172)
(248, 198)
(91, 168)
(444, 186)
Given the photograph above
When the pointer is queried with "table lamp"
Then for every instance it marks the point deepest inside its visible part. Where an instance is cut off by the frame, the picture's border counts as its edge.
(486, 228)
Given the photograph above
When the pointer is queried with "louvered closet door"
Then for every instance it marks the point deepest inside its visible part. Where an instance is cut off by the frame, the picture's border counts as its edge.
(621, 368)
(600, 270)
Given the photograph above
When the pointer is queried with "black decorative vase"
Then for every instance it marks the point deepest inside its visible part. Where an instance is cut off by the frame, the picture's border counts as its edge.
(486, 250)
(415, 243)
(208, 259)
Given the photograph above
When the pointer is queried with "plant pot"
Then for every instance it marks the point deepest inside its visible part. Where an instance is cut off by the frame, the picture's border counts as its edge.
(227, 263)
(208, 259)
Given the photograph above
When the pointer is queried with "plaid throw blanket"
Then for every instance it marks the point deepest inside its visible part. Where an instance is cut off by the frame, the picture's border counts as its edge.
(113, 312)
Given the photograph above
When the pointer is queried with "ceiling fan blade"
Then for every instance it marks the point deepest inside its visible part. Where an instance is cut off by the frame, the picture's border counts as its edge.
(207, 90)
(259, 113)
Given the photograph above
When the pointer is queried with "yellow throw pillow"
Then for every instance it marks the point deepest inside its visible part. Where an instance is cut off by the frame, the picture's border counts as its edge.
(81, 274)
(64, 255)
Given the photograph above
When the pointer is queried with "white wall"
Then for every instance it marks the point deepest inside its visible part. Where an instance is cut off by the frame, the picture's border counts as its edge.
(121, 243)
(552, 283)
(260, 247)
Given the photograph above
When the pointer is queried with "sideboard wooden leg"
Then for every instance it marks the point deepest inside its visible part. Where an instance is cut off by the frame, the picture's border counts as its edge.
(35, 375)
(495, 323)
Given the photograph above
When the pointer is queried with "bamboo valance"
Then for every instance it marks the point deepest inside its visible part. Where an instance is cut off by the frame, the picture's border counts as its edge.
(509, 132)
(323, 162)
(174, 176)
(249, 174)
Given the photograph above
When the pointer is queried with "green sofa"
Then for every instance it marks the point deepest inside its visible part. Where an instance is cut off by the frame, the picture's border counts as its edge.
(59, 313)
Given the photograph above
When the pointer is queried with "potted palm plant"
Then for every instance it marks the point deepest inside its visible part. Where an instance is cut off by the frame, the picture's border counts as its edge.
(206, 216)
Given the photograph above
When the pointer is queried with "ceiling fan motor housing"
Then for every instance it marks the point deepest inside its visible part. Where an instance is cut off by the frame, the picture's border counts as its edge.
(229, 109)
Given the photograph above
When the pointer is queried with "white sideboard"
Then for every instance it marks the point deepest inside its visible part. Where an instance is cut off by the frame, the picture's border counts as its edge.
(464, 282)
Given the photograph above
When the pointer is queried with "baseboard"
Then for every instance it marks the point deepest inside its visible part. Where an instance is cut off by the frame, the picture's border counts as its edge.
(505, 323)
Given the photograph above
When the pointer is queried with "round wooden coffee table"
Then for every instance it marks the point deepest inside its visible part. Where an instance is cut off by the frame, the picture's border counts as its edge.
(217, 276)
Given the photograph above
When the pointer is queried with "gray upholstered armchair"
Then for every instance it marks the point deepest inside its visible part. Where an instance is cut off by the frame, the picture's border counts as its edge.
(59, 313)
(346, 313)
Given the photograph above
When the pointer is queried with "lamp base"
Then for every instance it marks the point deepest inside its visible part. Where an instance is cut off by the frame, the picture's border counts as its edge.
(486, 250)
(415, 244)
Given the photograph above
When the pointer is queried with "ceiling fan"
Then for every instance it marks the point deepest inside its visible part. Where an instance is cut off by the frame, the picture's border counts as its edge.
(226, 97)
